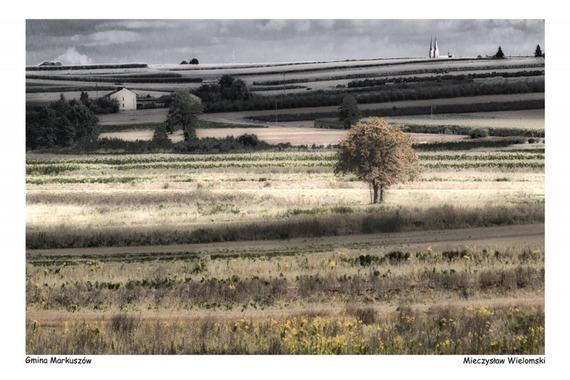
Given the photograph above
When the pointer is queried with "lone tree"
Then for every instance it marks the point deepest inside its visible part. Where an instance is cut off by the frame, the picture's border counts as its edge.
(183, 114)
(500, 54)
(348, 112)
(538, 51)
(378, 153)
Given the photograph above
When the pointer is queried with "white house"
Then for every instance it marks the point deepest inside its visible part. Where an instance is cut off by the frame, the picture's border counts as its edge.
(126, 98)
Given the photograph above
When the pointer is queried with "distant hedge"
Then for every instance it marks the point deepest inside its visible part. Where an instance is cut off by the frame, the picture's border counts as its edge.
(88, 67)
(117, 79)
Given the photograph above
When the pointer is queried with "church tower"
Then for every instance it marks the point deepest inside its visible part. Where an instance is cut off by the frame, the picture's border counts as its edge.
(431, 47)
(435, 49)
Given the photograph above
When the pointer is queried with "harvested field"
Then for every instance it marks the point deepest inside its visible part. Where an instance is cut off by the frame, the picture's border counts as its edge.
(527, 119)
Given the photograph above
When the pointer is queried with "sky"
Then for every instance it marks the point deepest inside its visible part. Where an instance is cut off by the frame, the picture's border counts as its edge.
(167, 41)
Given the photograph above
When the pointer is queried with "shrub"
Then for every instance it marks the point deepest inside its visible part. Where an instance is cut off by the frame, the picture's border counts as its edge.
(477, 133)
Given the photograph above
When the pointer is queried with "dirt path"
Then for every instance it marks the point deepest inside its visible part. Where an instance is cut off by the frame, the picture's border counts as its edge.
(531, 235)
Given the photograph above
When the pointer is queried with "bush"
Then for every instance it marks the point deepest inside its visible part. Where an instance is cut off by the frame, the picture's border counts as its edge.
(248, 140)
(479, 133)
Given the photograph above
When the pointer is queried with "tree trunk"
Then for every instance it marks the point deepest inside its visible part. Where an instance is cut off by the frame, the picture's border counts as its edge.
(378, 192)
(376, 187)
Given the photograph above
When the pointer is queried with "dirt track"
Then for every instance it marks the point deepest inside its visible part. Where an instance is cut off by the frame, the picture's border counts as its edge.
(531, 235)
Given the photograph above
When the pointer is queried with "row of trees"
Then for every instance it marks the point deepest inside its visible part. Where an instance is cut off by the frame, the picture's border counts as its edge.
(537, 53)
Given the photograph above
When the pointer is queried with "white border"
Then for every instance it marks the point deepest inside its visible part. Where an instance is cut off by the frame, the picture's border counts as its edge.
(13, 202)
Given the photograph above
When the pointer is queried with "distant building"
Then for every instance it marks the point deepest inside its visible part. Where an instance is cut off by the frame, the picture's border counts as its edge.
(126, 98)
(433, 49)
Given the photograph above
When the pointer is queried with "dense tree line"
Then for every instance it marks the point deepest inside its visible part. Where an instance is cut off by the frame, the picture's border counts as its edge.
(61, 124)
(228, 89)
(457, 78)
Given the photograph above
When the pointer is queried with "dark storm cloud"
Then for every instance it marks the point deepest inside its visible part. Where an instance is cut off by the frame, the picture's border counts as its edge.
(220, 41)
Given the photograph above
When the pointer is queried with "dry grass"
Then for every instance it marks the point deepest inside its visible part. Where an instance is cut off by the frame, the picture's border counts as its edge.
(191, 299)
(471, 301)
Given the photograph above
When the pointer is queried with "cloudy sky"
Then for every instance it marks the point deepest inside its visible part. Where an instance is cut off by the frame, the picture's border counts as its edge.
(275, 40)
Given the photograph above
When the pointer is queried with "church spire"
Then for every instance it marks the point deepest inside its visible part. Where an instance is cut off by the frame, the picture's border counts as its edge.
(435, 49)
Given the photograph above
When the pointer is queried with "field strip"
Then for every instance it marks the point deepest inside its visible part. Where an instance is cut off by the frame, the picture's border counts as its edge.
(530, 234)
(229, 116)
(51, 318)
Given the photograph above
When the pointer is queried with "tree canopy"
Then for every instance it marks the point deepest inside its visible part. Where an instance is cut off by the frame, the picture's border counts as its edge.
(228, 88)
(348, 111)
(500, 53)
(538, 51)
(60, 124)
(183, 114)
(377, 153)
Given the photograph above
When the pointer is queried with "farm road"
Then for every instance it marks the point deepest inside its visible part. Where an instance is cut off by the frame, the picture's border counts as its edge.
(531, 235)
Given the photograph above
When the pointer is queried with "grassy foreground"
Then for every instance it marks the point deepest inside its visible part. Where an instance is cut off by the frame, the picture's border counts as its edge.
(269, 268)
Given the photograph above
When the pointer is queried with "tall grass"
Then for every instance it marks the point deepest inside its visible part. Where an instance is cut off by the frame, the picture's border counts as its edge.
(400, 220)
(471, 330)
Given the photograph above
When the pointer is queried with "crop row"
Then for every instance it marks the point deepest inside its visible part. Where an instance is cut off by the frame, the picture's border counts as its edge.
(256, 157)
(55, 170)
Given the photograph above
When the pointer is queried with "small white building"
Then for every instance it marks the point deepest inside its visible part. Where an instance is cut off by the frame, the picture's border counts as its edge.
(126, 98)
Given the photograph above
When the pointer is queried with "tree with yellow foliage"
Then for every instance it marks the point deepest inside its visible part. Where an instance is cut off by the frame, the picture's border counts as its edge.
(378, 153)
